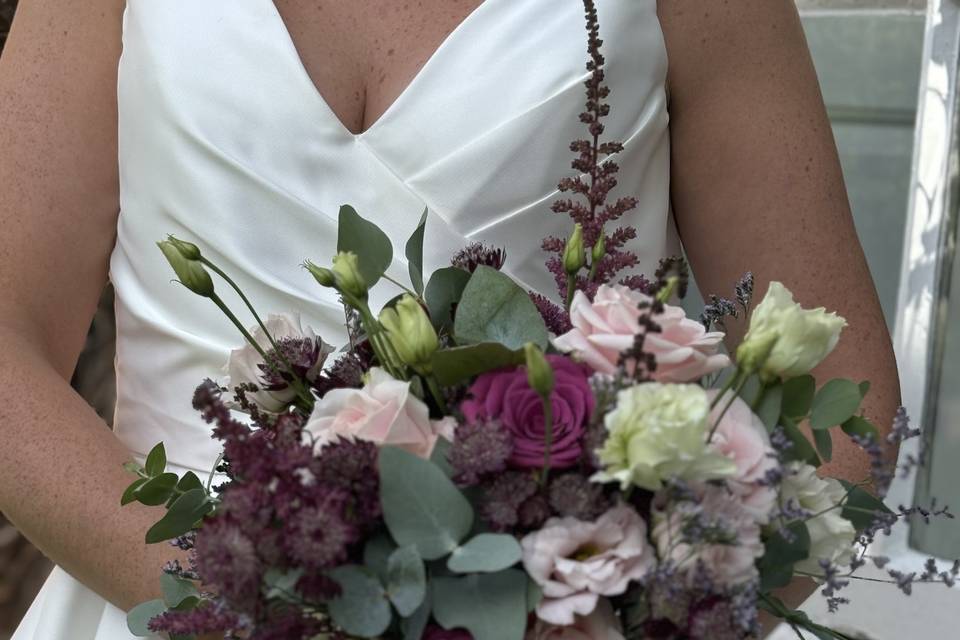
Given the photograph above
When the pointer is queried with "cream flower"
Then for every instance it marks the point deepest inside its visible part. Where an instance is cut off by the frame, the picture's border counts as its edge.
(606, 327)
(742, 437)
(659, 431)
(602, 624)
(576, 562)
(831, 535)
(305, 351)
(384, 411)
(785, 339)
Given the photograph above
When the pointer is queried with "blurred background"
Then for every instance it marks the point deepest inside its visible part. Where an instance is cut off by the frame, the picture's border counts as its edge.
(888, 70)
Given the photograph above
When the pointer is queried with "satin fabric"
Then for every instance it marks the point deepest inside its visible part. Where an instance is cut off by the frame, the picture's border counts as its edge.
(225, 141)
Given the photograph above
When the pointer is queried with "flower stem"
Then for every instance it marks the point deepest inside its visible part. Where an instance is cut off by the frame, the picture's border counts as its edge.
(571, 289)
(733, 396)
(547, 439)
(437, 394)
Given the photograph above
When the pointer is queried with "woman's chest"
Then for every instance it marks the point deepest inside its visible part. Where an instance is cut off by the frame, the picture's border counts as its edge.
(361, 55)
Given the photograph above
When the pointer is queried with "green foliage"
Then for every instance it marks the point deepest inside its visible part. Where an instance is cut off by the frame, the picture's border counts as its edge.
(442, 293)
(176, 591)
(770, 406)
(781, 553)
(861, 507)
(140, 615)
(798, 396)
(371, 245)
(362, 609)
(802, 450)
(835, 403)
(491, 606)
(156, 462)
(414, 254)
(494, 308)
(181, 517)
(157, 490)
(859, 426)
(421, 505)
(486, 553)
(453, 366)
(824, 444)
(406, 580)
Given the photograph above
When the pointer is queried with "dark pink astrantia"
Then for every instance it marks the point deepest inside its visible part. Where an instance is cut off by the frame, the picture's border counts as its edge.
(506, 396)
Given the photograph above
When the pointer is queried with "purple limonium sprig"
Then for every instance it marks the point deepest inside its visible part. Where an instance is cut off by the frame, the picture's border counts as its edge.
(604, 253)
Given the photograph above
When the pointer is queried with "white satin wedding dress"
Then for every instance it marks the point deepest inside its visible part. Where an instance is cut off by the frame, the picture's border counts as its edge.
(225, 141)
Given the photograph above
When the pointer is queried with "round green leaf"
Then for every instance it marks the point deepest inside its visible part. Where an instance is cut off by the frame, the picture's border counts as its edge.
(362, 237)
(362, 608)
(421, 505)
(835, 403)
(414, 253)
(486, 553)
(858, 426)
(176, 590)
(494, 308)
(781, 553)
(452, 366)
(798, 396)
(861, 508)
(376, 554)
(770, 405)
(140, 615)
(442, 293)
(157, 490)
(156, 461)
(406, 580)
(824, 443)
(491, 606)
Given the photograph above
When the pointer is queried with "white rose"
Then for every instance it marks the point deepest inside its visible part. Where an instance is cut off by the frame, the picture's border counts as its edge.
(304, 350)
(797, 339)
(659, 431)
(831, 535)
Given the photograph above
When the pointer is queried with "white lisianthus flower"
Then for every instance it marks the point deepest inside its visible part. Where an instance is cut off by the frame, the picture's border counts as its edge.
(303, 349)
(659, 431)
(831, 535)
(784, 339)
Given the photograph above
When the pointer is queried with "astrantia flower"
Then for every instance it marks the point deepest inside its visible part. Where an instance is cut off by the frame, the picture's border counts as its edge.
(785, 339)
(602, 624)
(831, 535)
(659, 431)
(574, 495)
(476, 254)
(296, 341)
(227, 562)
(384, 411)
(575, 562)
(505, 395)
(479, 448)
(503, 498)
(318, 537)
(605, 328)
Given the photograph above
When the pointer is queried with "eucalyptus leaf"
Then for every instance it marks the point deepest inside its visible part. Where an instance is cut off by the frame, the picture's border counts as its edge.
(824, 443)
(156, 461)
(376, 554)
(157, 489)
(491, 606)
(413, 626)
(864, 388)
(421, 505)
(453, 366)
(414, 253)
(861, 507)
(861, 427)
(443, 293)
(181, 517)
(798, 396)
(362, 608)
(486, 553)
(175, 589)
(801, 450)
(281, 585)
(362, 237)
(189, 481)
(769, 409)
(781, 553)
(835, 403)
(406, 580)
(129, 495)
(439, 457)
(534, 595)
(141, 615)
(494, 308)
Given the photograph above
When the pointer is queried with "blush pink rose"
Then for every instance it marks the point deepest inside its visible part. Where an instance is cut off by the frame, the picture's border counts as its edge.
(602, 624)
(384, 412)
(506, 396)
(742, 437)
(575, 562)
(728, 564)
(606, 327)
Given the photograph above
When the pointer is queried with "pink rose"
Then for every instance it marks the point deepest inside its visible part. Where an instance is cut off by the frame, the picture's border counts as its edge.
(602, 624)
(606, 327)
(742, 437)
(719, 510)
(505, 395)
(576, 562)
(384, 411)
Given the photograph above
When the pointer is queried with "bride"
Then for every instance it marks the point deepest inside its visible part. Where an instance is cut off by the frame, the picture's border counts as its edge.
(246, 124)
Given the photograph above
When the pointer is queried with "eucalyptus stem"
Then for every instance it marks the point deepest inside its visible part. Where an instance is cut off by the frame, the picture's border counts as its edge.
(547, 439)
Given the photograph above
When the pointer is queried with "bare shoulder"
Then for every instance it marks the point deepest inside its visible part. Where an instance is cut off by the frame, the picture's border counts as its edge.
(58, 168)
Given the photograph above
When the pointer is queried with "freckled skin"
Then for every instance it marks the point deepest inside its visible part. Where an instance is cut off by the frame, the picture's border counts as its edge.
(756, 185)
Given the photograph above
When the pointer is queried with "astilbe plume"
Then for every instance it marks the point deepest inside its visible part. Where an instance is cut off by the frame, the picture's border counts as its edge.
(554, 316)
(596, 212)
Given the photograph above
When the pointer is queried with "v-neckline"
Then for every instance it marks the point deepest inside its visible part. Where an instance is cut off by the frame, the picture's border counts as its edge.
(401, 97)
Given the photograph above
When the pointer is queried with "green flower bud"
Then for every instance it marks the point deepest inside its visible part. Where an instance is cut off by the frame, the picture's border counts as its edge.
(191, 273)
(599, 249)
(411, 334)
(325, 277)
(346, 268)
(539, 371)
(188, 250)
(574, 257)
(753, 354)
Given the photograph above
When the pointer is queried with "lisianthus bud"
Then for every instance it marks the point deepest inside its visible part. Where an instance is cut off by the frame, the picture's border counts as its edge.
(574, 257)
(599, 249)
(190, 272)
(325, 277)
(411, 333)
(539, 371)
(802, 337)
(189, 250)
(346, 267)
(753, 354)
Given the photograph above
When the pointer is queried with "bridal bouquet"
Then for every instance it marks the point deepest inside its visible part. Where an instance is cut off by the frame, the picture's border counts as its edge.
(479, 462)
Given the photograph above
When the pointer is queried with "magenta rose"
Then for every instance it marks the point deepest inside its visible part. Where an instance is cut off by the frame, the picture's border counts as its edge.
(433, 632)
(506, 396)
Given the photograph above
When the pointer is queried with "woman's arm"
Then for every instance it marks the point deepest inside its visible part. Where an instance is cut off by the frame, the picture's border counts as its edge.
(757, 185)
(60, 467)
